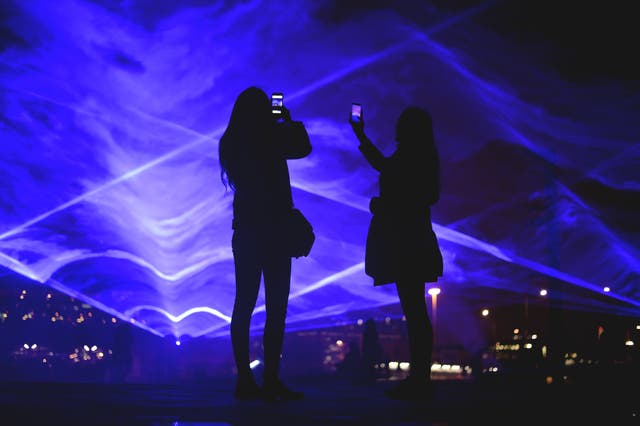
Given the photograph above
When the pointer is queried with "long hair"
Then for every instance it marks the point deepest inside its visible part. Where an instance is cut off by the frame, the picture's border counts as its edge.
(414, 134)
(249, 124)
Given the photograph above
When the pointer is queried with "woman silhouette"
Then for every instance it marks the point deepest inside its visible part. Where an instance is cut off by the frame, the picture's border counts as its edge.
(401, 245)
(253, 154)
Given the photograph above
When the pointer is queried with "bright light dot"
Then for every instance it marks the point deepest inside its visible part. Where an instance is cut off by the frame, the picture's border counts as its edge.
(34, 346)
(26, 346)
(339, 342)
(404, 366)
(86, 348)
(516, 330)
(434, 291)
(628, 343)
(485, 312)
(94, 348)
(543, 292)
(393, 365)
(360, 321)
(178, 342)
(606, 289)
(253, 364)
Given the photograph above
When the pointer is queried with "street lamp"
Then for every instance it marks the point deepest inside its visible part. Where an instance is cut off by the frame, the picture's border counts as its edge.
(542, 293)
(434, 292)
(487, 315)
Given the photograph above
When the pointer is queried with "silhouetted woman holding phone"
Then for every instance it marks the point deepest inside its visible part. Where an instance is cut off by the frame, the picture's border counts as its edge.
(401, 246)
(253, 157)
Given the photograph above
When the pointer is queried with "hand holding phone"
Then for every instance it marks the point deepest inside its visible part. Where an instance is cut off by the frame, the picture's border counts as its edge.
(356, 112)
(356, 120)
(277, 104)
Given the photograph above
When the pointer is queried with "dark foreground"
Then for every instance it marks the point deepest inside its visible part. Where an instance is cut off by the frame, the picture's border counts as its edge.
(329, 401)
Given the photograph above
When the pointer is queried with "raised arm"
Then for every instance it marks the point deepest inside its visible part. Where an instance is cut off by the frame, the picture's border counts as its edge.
(294, 138)
(368, 149)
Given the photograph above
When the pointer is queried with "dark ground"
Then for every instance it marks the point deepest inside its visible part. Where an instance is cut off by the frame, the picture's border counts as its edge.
(328, 401)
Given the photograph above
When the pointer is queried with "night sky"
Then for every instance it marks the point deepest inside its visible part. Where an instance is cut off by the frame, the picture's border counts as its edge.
(110, 114)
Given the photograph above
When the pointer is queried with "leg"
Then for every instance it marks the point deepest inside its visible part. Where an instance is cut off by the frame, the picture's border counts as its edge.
(419, 328)
(420, 333)
(247, 272)
(277, 283)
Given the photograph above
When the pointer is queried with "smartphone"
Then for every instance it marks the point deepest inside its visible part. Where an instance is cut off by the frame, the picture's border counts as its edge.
(277, 102)
(356, 112)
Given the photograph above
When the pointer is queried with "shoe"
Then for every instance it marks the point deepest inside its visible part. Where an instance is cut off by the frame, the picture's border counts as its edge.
(278, 391)
(412, 389)
(247, 390)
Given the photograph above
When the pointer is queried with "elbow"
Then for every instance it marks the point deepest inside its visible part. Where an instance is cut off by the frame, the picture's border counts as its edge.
(302, 151)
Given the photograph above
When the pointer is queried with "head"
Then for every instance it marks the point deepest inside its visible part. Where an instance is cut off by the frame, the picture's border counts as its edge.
(414, 135)
(251, 109)
(414, 128)
(248, 126)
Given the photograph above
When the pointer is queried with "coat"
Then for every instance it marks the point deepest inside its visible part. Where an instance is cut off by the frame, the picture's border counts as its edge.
(401, 244)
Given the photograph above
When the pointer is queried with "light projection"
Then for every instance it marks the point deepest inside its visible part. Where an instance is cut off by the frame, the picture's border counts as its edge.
(111, 191)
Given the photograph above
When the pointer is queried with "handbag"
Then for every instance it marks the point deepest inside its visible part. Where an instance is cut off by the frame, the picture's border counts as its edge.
(299, 236)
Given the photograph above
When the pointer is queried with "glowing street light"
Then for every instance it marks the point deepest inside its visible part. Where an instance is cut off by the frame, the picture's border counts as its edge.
(434, 292)
(487, 316)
